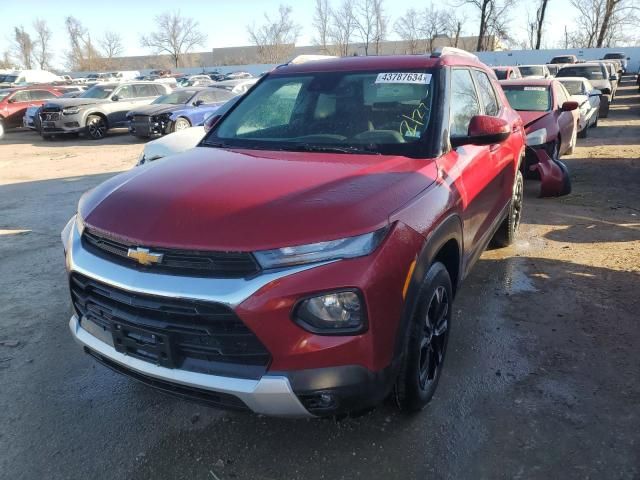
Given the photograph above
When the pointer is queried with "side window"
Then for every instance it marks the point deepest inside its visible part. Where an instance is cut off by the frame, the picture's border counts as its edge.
(41, 95)
(208, 97)
(464, 102)
(21, 96)
(125, 92)
(159, 90)
(487, 94)
(145, 91)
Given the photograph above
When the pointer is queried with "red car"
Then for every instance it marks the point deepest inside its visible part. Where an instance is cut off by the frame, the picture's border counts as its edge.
(550, 118)
(507, 72)
(15, 101)
(303, 259)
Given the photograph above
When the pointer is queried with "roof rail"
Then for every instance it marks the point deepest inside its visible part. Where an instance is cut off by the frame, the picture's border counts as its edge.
(441, 51)
(309, 58)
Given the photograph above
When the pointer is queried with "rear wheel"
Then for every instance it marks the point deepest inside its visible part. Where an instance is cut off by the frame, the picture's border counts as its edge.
(96, 127)
(506, 233)
(426, 341)
(595, 124)
(181, 124)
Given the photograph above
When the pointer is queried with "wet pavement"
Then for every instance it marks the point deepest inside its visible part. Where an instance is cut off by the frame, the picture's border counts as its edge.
(542, 378)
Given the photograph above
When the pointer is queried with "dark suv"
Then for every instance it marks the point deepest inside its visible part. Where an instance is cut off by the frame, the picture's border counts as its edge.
(303, 259)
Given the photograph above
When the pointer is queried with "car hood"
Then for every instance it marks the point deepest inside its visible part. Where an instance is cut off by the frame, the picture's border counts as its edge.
(175, 142)
(528, 118)
(74, 102)
(156, 109)
(245, 200)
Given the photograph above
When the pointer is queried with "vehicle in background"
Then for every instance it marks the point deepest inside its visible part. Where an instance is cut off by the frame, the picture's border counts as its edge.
(550, 117)
(303, 259)
(564, 59)
(125, 75)
(588, 98)
(95, 78)
(507, 72)
(614, 78)
(620, 56)
(186, 117)
(237, 75)
(554, 68)
(100, 108)
(182, 140)
(195, 81)
(534, 71)
(238, 87)
(16, 78)
(156, 119)
(161, 73)
(15, 101)
(598, 74)
(217, 77)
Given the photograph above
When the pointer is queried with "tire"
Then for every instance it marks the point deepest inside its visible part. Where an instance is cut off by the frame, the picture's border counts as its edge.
(180, 124)
(96, 127)
(508, 230)
(46, 137)
(1, 129)
(595, 124)
(425, 342)
(605, 110)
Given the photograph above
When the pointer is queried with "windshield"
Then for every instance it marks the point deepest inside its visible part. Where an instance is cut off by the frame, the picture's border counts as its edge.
(346, 112)
(500, 73)
(98, 91)
(574, 87)
(528, 99)
(175, 98)
(10, 78)
(592, 72)
(528, 71)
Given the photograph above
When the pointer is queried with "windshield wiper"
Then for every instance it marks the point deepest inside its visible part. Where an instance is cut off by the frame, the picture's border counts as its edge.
(305, 147)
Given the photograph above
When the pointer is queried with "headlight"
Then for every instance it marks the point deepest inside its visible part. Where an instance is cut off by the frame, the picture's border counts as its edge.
(350, 247)
(539, 137)
(333, 313)
(70, 110)
(65, 235)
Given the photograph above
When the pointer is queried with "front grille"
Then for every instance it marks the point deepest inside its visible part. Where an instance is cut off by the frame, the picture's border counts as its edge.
(50, 116)
(193, 335)
(176, 262)
(51, 108)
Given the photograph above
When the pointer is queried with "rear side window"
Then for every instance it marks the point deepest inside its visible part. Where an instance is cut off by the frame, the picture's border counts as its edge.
(464, 102)
(41, 95)
(487, 94)
(125, 92)
(145, 90)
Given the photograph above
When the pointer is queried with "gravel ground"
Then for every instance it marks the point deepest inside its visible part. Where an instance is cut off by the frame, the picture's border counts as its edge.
(541, 380)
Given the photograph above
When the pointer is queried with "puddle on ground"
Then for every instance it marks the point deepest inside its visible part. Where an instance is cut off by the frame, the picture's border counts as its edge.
(517, 279)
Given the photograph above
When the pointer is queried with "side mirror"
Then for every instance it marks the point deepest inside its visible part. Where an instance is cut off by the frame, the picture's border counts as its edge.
(197, 103)
(484, 130)
(595, 93)
(11, 100)
(115, 98)
(569, 106)
(211, 122)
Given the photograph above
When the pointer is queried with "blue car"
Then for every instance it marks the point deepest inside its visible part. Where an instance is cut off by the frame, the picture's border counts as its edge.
(188, 117)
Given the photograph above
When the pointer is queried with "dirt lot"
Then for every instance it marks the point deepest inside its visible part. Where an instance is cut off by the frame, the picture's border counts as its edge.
(542, 379)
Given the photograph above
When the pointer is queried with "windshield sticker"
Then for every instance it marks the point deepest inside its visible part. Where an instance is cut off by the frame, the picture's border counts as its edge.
(409, 127)
(404, 77)
(536, 89)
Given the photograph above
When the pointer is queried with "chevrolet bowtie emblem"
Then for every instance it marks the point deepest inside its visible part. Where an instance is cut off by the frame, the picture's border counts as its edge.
(143, 256)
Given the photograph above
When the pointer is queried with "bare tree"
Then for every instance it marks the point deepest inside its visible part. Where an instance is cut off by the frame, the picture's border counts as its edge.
(433, 25)
(42, 52)
(5, 61)
(111, 44)
(408, 27)
(382, 24)
(540, 22)
(370, 23)
(175, 35)
(453, 24)
(343, 27)
(275, 38)
(82, 55)
(23, 47)
(321, 19)
(493, 20)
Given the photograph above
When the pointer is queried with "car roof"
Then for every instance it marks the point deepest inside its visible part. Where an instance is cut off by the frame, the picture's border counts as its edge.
(388, 62)
(529, 82)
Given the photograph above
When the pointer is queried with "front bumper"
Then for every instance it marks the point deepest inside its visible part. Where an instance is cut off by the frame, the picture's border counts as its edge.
(52, 123)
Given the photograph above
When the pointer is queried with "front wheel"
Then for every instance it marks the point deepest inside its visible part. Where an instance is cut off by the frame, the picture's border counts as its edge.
(506, 233)
(181, 124)
(425, 344)
(96, 127)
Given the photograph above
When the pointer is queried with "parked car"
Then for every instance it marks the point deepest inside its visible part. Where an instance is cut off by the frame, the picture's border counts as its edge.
(237, 76)
(598, 74)
(613, 78)
(156, 119)
(507, 72)
(100, 108)
(160, 73)
(238, 87)
(17, 78)
(534, 71)
(550, 117)
(554, 68)
(621, 57)
(125, 75)
(303, 259)
(564, 59)
(588, 99)
(31, 117)
(15, 101)
(186, 117)
(195, 81)
(95, 78)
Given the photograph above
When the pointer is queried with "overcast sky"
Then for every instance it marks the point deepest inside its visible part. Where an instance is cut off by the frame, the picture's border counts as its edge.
(225, 21)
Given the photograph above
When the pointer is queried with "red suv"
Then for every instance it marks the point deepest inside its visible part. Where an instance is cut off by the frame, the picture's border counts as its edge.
(15, 101)
(303, 259)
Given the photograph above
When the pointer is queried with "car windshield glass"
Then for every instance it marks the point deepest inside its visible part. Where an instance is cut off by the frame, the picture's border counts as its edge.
(175, 98)
(10, 78)
(574, 87)
(345, 112)
(4, 94)
(531, 70)
(98, 91)
(528, 98)
(592, 72)
(500, 73)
